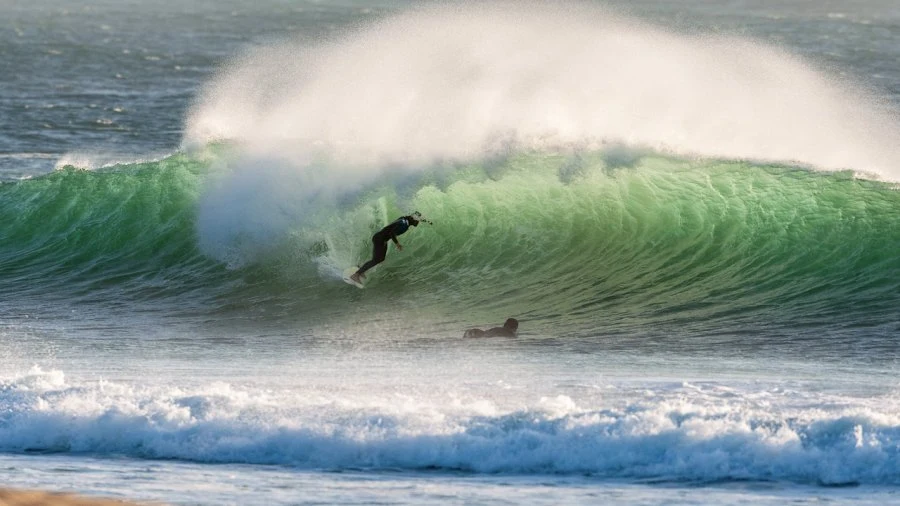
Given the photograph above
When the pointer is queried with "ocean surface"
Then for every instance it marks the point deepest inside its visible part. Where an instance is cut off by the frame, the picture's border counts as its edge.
(692, 208)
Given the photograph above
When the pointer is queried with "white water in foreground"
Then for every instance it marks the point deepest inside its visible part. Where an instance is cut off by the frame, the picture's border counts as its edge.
(585, 424)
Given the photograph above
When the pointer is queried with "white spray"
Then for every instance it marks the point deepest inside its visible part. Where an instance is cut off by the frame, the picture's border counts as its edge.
(460, 82)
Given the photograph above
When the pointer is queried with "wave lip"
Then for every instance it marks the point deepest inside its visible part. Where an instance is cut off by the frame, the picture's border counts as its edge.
(685, 432)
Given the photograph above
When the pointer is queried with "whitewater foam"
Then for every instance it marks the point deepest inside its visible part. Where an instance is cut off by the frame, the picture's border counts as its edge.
(679, 431)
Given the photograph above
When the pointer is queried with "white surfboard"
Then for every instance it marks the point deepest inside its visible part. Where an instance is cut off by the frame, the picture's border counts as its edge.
(346, 276)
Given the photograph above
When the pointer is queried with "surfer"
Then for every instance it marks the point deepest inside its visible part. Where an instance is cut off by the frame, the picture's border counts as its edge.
(380, 240)
(509, 329)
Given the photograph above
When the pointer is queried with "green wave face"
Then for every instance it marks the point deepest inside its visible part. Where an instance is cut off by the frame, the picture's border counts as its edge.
(122, 232)
(666, 244)
(612, 242)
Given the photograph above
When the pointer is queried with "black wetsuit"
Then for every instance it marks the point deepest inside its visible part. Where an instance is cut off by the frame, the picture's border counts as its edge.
(494, 332)
(509, 329)
(381, 238)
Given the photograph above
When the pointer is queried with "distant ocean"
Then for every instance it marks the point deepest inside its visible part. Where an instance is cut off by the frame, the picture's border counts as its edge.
(691, 207)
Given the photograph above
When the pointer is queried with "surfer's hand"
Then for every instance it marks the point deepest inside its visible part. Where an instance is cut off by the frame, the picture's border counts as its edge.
(399, 248)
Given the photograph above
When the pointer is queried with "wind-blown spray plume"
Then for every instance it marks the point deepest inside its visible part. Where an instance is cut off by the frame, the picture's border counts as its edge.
(467, 82)
(455, 82)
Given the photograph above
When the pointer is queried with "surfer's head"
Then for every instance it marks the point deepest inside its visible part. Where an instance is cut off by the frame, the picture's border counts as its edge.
(417, 218)
(511, 324)
(412, 220)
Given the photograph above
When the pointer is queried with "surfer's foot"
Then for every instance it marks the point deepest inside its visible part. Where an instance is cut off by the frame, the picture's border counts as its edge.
(355, 278)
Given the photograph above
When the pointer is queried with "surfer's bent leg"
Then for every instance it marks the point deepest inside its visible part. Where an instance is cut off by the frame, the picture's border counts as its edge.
(379, 251)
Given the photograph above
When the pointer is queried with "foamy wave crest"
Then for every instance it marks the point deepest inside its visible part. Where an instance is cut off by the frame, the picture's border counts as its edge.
(473, 82)
(672, 432)
(96, 160)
